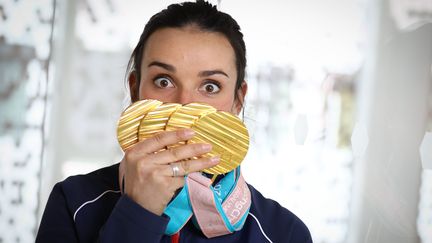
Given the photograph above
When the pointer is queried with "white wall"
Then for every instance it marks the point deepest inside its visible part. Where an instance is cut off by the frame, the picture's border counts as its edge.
(395, 91)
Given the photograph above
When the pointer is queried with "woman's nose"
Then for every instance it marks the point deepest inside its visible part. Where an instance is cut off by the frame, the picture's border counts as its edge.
(184, 97)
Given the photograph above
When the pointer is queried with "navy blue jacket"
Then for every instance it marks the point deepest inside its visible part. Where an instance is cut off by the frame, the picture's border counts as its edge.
(90, 208)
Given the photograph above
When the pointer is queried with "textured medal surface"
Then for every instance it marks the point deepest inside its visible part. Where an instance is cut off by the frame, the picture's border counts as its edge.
(227, 134)
(156, 120)
(127, 128)
(186, 115)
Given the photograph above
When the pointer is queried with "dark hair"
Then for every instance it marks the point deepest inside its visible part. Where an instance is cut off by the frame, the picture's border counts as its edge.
(207, 18)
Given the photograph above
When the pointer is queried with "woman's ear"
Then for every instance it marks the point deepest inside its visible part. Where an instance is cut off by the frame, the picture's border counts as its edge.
(241, 94)
(133, 86)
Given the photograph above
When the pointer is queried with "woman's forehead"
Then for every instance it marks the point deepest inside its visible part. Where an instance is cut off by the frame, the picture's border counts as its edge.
(189, 45)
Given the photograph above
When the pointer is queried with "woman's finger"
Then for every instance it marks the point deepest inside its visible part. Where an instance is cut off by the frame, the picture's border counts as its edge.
(180, 153)
(182, 168)
(176, 183)
(160, 141)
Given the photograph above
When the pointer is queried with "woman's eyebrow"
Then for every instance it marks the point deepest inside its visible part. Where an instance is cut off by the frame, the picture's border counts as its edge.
(207, 73)
(163, 65)
(171, 68)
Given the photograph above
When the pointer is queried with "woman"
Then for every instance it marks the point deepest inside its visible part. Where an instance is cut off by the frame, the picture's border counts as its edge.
(189, 52)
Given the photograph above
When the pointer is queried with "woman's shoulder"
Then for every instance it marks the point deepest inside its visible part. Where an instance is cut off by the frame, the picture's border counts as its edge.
(106, 177)
(279, 223)
(79, 205)
(82, 188)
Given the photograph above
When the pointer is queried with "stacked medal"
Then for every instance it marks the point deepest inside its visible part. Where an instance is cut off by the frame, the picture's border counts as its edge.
(224, 131)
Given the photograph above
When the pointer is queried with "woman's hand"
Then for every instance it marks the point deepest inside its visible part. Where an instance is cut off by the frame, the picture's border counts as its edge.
(149, 177)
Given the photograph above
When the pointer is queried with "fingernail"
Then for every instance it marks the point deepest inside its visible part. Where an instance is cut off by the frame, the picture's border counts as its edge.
(187, 133)
(215, 159)
(206, 147)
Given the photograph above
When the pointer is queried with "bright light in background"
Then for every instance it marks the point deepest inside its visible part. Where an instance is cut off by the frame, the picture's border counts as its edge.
(79, 167)
(310, 34)
(115, 25)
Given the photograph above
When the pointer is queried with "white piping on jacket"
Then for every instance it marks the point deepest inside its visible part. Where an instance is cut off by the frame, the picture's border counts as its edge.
(92, 201)
(259, 224)
(105, 192)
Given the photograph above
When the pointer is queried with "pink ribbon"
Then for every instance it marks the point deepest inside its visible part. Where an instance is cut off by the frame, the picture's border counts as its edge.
(204, 206)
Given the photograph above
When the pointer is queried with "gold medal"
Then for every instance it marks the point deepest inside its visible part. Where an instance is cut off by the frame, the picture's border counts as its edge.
(156, 120)
(227, 134)
(186, 116)
(128, 124)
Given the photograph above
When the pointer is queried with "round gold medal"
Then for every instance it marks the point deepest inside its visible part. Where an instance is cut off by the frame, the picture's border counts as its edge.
(128, 124)
(156, 120)
(229, 137)
(186, 116)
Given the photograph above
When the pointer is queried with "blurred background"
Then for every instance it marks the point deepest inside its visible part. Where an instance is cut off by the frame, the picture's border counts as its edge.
(339, 107)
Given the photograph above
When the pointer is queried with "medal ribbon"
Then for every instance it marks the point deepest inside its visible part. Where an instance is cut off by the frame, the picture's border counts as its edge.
(217, 210)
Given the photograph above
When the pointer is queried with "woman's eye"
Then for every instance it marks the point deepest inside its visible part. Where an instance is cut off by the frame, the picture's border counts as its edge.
(210, 88)
(163, 82)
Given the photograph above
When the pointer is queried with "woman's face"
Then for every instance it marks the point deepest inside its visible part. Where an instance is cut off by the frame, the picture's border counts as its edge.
(184, 65)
